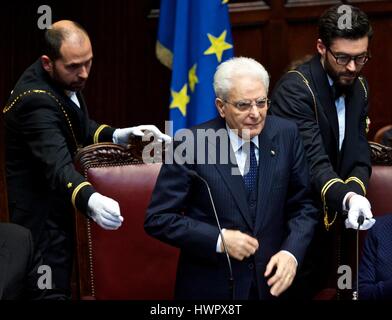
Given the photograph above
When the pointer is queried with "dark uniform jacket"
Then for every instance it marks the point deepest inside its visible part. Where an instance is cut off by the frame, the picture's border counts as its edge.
(43, 131)
(305, 96)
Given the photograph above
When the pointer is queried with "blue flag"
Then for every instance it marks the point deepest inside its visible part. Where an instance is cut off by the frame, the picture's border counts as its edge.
(194, 37)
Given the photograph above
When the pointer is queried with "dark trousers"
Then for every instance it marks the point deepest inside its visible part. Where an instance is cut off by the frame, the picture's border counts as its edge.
(57, 248)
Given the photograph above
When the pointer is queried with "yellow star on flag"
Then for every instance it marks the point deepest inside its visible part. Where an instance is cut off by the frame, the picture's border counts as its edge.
(225, 1)
(180, 99)
(193, 77)
(218, 45)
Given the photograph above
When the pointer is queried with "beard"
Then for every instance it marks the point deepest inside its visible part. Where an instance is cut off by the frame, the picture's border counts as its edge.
(343, 79)
(72, 86)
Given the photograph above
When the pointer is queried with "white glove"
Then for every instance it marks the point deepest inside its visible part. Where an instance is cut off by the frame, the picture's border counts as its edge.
(359, 206)
(121, 136)
(104, 211)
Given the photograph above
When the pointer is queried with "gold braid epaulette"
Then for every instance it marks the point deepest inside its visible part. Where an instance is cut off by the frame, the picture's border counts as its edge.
(20, 96)
(324, 190)
(306, 81)
(367, 121)
(48, 93)
(362, 81)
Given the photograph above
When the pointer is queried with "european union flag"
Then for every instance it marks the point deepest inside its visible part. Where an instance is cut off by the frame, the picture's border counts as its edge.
(194, 36)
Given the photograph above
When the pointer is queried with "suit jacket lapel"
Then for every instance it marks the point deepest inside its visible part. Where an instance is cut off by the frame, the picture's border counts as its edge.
(266, 173)
(232, 176)
(323, 90)
(3, 266)
(235, 184)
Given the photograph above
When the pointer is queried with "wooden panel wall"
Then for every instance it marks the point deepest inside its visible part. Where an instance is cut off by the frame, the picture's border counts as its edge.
(129, 86)
(288, 31)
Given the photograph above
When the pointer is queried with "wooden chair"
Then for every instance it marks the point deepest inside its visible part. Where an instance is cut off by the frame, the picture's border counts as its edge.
(380, 133)
(124, 264)
(378, 194)
(380, 184)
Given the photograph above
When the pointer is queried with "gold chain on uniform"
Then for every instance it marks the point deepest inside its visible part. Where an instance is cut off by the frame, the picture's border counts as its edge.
(13, 103)
(324, 190)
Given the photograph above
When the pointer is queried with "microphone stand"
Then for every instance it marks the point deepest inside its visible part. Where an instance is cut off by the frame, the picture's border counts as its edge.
(361, 219)
(231, 278)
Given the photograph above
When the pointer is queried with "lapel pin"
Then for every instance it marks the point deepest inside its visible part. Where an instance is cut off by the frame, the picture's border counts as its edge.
(273, 153)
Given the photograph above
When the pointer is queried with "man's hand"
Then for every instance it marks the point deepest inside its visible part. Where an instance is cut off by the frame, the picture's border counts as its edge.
(359, 206)
(286, 269)
(121, 136)
(104, 211)
(239, 245)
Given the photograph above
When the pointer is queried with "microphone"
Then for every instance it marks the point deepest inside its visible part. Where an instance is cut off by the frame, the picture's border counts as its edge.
(360, 221)
(231, 278)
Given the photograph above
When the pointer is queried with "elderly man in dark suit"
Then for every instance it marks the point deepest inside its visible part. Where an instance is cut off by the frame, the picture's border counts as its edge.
(259, 181)
(375, 271)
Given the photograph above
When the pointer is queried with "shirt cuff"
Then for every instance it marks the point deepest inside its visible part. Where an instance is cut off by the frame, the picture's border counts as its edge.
(219, 242)
(289, 253)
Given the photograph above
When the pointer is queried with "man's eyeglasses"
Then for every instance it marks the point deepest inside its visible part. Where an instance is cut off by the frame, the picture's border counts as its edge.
(345, 59)
(246, 105)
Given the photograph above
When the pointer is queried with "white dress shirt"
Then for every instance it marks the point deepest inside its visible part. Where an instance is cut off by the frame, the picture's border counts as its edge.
(73, 97)
(340, 105)
(241, 156)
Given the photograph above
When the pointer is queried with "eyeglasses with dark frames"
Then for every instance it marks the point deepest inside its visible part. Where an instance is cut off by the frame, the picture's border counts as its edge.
(246, 105)
(345, 59)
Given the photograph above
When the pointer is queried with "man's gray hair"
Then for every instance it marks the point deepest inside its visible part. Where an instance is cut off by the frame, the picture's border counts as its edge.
(237, 67)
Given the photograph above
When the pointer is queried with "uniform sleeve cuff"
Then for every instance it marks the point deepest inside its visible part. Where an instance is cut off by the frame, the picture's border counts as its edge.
(81, 195)
(104, 133)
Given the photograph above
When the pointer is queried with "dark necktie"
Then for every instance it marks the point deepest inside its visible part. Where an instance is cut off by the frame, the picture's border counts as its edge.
(337, 91)
(250, 178)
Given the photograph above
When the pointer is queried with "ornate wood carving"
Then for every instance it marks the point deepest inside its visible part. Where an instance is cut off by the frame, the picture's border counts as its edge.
(297, 3)
(380, 154)
(102, 154)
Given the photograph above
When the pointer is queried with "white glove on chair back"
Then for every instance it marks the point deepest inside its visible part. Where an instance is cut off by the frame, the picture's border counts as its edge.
(104, 211)
(121, 136)
(359, 206)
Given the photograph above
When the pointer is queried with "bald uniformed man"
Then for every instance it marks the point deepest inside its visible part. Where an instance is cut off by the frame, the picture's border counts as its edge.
(46, 121)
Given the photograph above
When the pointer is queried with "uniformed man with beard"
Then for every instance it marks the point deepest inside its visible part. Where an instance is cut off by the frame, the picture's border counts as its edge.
(328, 99)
